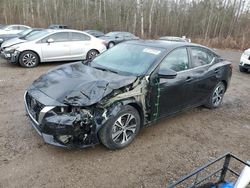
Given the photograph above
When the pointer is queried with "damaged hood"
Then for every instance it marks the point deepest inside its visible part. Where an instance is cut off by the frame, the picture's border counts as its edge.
(12, 42)
(80, 85)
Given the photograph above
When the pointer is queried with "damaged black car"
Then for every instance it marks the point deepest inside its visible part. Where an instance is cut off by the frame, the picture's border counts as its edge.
(109, 99)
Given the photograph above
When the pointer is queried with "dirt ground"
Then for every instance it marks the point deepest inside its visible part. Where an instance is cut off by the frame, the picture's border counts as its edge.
(159, 155)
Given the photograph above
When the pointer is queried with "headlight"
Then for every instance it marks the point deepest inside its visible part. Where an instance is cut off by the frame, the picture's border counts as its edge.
(1, 40)
(11, 49)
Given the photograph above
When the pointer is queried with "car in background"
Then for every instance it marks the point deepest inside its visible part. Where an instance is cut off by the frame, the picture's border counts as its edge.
(54, 45)
(113, 38)
(244, 65)
(17, 37)
(174, 39)
(94, 33)
(130, 86)
(13, 29)
(58, 26)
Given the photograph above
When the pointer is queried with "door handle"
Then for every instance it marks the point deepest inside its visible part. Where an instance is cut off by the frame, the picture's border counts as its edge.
(189, 79)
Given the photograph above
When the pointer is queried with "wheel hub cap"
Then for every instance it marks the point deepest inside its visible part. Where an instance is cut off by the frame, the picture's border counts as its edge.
(124, 128)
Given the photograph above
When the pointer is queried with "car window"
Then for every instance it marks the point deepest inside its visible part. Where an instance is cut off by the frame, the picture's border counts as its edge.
(201, 56)
(23, 28)
(58, 37)
(14, 27)
(177, 60)
(79, 37)
(129, 59)
(120, 35)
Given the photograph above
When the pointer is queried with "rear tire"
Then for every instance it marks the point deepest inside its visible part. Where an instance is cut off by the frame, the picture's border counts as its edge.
(216, 96)
(120, 130)
(91, 54)
(242, 69)
(28, 59)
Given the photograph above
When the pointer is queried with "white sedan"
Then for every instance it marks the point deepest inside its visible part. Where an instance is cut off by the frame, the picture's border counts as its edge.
(53, 45)
(244, 65)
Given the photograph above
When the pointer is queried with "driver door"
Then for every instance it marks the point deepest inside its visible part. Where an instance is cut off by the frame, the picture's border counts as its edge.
(169, 96)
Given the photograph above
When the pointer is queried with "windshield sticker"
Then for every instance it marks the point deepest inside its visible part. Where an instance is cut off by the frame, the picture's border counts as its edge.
(151, 51)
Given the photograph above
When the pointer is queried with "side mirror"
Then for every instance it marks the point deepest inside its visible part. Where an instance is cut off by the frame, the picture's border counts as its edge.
(117, 37)
(7, 29)
(50, 40)
(167, 73)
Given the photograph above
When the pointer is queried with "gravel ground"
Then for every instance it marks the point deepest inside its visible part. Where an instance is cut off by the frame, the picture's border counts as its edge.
(159, 155)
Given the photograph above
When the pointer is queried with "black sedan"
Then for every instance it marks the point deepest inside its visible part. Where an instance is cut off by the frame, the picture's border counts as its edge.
(110, 98)
(113, 38)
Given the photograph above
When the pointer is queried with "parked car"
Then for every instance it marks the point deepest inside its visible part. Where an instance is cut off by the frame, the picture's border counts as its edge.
(95, 33)
(244, 65)
(17, 37)
(110, 98)
(54, 45)
(174, 39)
(58, 26)
(113, 38)
(12, 29)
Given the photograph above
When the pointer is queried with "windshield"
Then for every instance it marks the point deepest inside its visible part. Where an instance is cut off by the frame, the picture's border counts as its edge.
(130, 59)
(25, 32)
(36, 35)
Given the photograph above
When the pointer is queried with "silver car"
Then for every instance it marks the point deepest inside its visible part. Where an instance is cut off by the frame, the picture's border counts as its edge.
(53, 45)
(12, 29)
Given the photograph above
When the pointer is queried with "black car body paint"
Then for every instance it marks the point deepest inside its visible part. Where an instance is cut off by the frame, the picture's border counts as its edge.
(70, 104)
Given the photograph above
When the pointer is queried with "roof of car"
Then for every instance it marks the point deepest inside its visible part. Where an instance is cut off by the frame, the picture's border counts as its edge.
(161, 43)
(167, 45)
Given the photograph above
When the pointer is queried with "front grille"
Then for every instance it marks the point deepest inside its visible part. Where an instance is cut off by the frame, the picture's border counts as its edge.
(34, 106)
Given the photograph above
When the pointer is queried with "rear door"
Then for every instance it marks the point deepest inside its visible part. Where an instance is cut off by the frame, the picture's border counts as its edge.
(79, 45)
(59, 49)
(205, 73)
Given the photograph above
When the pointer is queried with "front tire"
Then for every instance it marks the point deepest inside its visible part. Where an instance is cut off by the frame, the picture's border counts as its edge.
(216, 96)
(28, 59)
(120, 130)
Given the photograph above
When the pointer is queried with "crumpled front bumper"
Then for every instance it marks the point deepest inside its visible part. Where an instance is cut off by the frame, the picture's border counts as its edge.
(49, 139)
(10, 56)
(52, 127)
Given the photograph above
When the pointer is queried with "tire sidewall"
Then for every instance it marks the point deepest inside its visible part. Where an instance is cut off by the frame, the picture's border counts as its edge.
(109, 126)
(23, 54)
(111, 43)
(88, 54)
(211, 97)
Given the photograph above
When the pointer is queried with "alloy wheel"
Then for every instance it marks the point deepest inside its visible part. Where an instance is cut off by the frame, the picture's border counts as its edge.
(218, 95)
(29, 60)
(124, 128)
(92, 54)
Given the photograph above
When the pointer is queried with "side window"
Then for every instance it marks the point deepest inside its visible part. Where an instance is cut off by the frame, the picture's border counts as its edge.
(177, 60)
(120, 35)
(79, 37)
(57, 37)
(201, 56)
(22, 28)
(13, 27)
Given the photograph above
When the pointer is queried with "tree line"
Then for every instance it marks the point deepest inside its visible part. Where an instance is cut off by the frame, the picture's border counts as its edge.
(219, 23)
